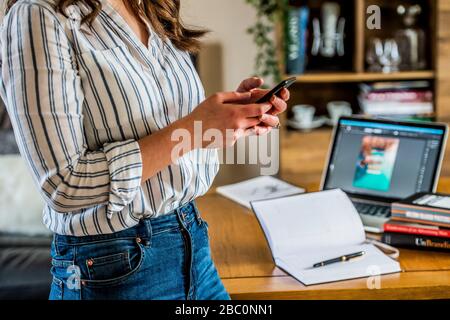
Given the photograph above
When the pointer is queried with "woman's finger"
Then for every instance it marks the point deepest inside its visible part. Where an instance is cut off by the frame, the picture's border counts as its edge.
(257, 131)
(259, 93)
(270, 120)
(255, 110)
(262, 130)
(250, 122)
(285, 94)
(279, 105)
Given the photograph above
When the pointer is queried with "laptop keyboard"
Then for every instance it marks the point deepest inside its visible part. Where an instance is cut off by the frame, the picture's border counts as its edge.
(373, 209)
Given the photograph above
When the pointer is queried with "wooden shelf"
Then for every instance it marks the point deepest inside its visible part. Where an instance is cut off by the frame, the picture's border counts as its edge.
(364, 76)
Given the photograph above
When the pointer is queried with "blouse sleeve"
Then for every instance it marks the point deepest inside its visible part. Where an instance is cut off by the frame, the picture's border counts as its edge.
(44, 97)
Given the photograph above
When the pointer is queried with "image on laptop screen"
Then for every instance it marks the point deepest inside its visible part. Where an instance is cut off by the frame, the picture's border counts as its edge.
(384, 159)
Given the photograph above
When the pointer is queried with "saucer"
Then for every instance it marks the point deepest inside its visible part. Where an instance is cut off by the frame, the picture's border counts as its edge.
(331, 123)
(316, 123)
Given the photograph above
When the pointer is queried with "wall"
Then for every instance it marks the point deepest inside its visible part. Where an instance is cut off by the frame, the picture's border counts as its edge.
(2, 9)
(228, 55)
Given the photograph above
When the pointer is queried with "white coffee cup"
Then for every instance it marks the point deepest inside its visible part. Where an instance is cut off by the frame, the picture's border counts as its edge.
(337, 109)
(303, 114)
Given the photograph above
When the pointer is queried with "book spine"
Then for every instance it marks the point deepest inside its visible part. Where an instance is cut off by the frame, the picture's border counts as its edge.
(415, 241)
(296, 44)
(401, 96)
(293, 63)
(418, 208)
(402, 217)
(396, 107)
(420, 217)
(395, 228)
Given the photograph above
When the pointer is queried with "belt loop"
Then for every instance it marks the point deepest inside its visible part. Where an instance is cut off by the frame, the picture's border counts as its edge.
(147, 237)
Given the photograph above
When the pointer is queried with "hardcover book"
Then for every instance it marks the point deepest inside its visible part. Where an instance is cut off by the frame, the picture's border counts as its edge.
(427, 208)
(394, 226)
(416, 241)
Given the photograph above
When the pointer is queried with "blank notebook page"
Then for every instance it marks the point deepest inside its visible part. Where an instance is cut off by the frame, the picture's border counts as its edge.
(323, 219)
(306, 229)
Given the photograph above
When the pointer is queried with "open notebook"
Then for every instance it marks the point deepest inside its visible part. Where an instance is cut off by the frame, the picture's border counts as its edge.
(306, 229)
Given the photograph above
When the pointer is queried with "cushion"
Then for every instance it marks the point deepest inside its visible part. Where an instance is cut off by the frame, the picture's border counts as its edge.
(21, 205)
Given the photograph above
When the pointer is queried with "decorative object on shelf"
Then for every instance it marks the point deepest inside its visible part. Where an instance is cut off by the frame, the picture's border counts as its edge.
(328, 41)
(337, 109)
(374, 52)
(268, 13)
(383, 55)
(390, 59)
(411, 40)
(296, 25)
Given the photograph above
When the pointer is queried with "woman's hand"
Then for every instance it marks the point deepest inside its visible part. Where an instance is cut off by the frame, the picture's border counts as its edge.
(279, 105)
(227, 116)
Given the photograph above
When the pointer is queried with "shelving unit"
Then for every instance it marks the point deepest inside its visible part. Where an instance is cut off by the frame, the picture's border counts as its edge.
(317, 87)
(328, 77)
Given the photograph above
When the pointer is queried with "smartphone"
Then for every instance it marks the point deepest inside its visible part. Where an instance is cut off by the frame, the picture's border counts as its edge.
(276, 90)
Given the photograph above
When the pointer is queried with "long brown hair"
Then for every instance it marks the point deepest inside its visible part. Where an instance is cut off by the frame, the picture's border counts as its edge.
(164, 16)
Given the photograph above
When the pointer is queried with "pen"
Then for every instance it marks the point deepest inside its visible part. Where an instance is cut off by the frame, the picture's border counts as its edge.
(339, 259)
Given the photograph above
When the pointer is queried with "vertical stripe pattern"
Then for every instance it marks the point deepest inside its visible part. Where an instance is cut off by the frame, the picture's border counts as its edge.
(79, 97)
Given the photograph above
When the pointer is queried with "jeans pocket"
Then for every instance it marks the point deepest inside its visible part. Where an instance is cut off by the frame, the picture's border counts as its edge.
(107, 267)
(109, 263)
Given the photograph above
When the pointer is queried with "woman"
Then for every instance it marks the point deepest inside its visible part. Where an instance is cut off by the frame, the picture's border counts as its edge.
(96, 90)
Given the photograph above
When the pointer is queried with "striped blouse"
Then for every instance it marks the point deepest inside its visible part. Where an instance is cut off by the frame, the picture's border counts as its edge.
(79, 97)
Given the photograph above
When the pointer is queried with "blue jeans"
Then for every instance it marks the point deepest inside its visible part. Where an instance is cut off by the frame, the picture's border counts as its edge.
(163, 258)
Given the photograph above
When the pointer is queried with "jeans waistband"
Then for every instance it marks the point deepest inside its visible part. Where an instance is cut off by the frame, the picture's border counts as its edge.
(145, 229)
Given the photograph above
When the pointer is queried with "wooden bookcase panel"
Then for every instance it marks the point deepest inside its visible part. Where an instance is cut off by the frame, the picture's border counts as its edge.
(443, 60)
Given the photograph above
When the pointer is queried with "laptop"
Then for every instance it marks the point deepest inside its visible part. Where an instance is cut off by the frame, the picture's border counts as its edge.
(377, 162)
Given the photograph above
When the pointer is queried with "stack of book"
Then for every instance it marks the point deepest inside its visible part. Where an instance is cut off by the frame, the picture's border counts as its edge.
(420, 221)
(398, 100)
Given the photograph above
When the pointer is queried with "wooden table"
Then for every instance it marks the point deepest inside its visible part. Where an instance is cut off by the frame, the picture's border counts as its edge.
(244, 262)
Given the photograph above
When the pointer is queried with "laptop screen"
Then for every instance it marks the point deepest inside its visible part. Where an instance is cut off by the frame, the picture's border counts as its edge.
(383, 159)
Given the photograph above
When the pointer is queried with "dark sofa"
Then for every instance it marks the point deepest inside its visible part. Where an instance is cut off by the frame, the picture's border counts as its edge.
(24, 267)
